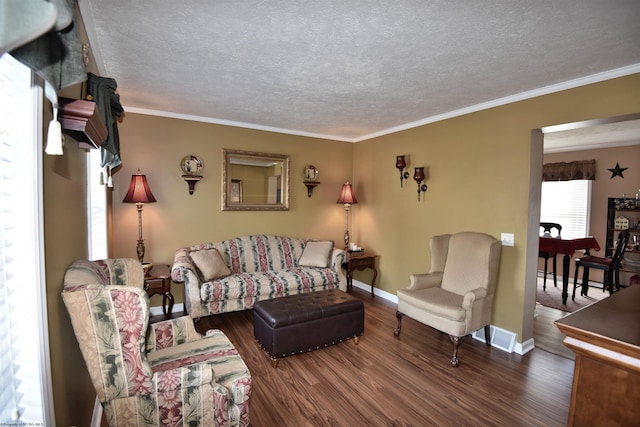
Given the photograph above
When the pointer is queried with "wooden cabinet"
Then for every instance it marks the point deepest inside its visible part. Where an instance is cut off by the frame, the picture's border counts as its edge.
(624, 213)
(605, 338)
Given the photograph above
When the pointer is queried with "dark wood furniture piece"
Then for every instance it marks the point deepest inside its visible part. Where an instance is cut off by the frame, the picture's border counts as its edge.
(605, 338)
(630, 209)
(360, 260)
(610, 266)
(567, 247)
(548, 230)
(620, 207)
(158, 281)
(299, 323)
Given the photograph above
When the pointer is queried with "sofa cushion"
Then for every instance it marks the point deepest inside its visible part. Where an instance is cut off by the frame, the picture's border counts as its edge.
(270, 284)
(210, 264)
(260, 253)
(316, 254)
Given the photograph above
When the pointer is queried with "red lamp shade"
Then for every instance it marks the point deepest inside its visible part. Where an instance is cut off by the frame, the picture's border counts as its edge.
(139, 191)
(347, 195)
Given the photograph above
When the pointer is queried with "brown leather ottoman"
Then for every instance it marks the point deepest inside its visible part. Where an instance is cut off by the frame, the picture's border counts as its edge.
(304, 322)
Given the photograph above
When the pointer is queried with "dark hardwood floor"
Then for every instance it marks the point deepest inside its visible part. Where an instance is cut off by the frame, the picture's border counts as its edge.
(400, 381)
(546, 334)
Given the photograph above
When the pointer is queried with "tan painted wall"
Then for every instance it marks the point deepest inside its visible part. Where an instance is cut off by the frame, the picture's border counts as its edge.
(478, 176)
(156, 145)
(65, 241)
(604, 187)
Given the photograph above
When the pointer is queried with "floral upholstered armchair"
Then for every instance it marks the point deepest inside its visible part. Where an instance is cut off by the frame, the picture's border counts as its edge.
(164, 374)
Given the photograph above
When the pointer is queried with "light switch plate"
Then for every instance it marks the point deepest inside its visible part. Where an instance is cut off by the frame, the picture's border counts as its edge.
(507, 239)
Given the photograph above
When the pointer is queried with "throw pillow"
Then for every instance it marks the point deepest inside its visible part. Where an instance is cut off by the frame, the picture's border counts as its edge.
(210, 264)
(316, 254)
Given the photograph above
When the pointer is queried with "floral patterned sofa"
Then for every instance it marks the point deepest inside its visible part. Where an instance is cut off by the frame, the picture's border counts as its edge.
(163, 374)
(233, 274)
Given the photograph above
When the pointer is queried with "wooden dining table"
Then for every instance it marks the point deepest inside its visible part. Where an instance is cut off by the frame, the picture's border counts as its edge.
(567, 247)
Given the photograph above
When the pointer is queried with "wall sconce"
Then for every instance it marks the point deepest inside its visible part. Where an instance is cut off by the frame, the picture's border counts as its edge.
(401, 163)
(139, 193)
(347, 198)
(192, 167)
(418, 175)
(310, 176)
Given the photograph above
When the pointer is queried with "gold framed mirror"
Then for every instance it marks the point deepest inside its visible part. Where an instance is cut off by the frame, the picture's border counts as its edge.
(253, 181)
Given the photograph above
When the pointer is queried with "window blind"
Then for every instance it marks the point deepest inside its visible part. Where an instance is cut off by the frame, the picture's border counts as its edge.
(25, 392)
(569, 204)
(96, 207)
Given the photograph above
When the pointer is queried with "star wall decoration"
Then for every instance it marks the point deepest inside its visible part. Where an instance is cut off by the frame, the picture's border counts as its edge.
(617, 171)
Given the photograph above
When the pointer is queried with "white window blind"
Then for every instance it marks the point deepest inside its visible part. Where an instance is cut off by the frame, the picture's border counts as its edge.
(25, 391)
(96, 207)
(569, 204)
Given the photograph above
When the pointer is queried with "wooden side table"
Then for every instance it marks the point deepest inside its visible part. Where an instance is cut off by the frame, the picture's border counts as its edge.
(158, 281)
(360, 261)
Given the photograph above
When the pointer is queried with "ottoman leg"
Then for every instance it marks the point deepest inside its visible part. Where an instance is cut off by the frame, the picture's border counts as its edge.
(356, 340)
(274, 363)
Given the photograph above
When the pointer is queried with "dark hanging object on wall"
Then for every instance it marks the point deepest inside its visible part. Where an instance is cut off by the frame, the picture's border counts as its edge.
(102, 90)
(401, 163)
(56, 53)
(419, 176)
(617, 171)
(82, 120)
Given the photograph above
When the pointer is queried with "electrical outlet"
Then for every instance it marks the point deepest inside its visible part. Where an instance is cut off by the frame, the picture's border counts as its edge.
(507, 239)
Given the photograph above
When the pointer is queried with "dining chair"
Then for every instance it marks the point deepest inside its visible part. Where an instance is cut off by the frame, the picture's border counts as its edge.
(610, 266)
(548, 231)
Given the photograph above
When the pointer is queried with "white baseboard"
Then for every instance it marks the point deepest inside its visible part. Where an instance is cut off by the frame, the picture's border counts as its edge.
(525, 347)
(500, 338)
(157, 310)
(378, 292)
(96, 419)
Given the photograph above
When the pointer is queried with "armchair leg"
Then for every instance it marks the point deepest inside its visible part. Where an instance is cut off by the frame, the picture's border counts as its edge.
(487, 335)
(396, 331)
(456, 343)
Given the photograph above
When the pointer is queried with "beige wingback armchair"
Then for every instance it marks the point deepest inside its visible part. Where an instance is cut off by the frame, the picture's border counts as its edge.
(456, 296)
(163, 374)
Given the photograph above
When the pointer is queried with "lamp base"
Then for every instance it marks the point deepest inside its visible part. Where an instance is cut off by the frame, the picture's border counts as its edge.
(140, 250)
(346, 226)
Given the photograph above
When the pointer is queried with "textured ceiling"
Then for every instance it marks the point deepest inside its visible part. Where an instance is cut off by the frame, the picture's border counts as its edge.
(594, 136)
(350, 70)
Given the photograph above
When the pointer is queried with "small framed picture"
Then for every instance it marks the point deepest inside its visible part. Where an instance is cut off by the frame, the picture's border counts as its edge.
(236, 191)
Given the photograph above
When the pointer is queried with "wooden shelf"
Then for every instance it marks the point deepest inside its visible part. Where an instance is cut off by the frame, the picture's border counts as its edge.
(310, 186)
(81, 119)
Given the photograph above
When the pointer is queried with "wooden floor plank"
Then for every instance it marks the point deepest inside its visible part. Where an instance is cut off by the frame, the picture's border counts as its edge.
(400, 381)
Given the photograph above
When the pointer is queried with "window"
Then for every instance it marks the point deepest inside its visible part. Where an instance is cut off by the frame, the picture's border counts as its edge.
(568, 203)
(25, 394)
(96, 207)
